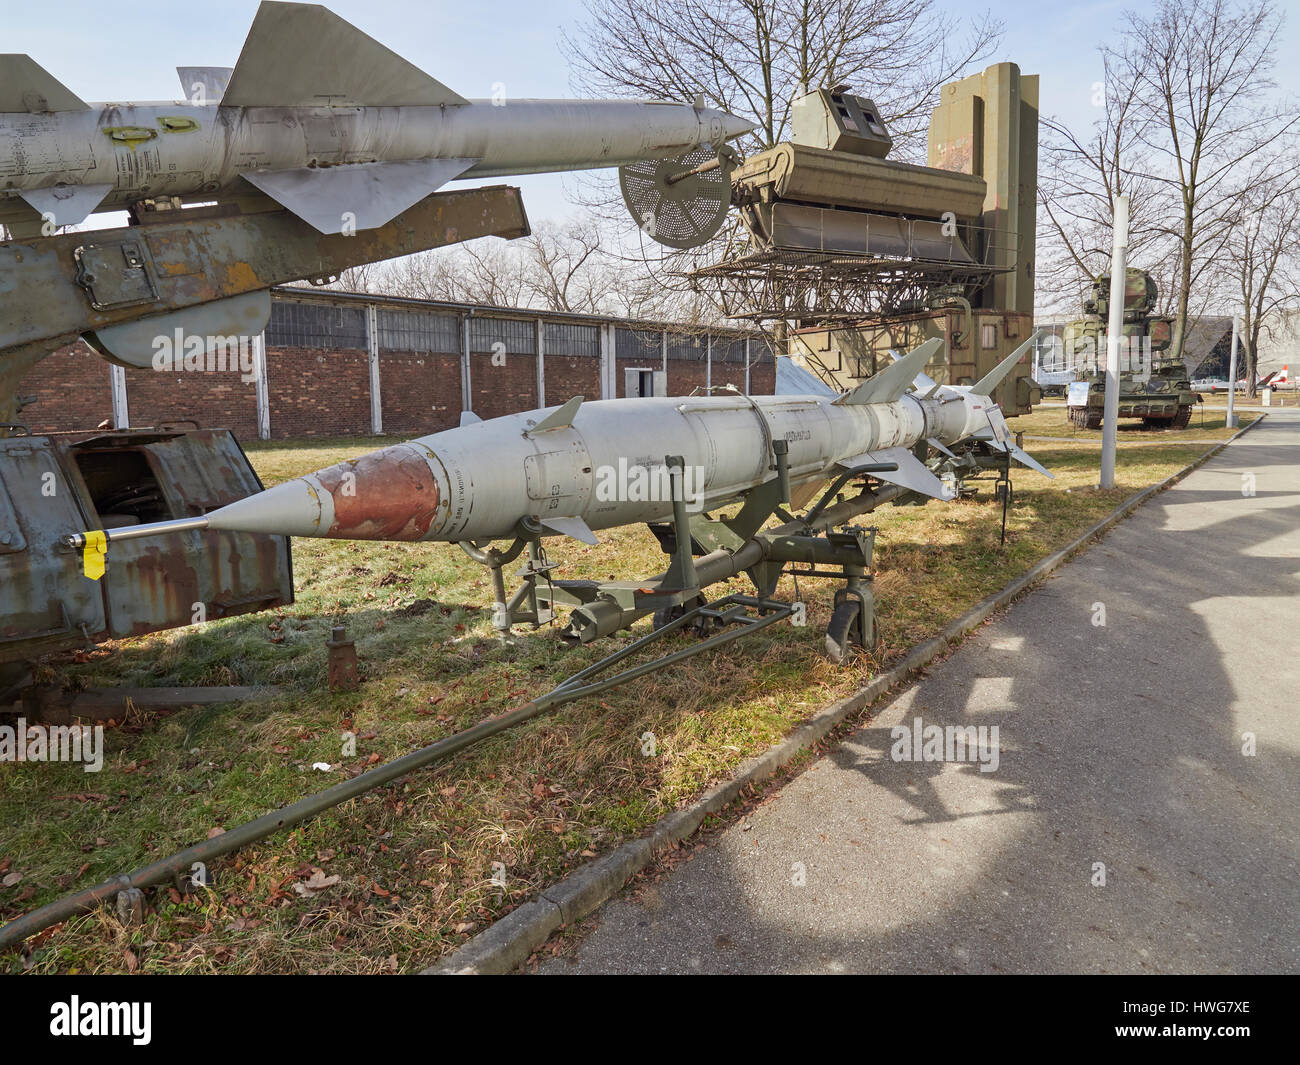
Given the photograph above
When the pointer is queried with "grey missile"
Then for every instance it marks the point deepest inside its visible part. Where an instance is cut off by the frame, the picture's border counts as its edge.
(316, 116)
(581, 467)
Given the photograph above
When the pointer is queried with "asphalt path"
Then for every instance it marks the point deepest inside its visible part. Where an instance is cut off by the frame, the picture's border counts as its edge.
(1142, 813)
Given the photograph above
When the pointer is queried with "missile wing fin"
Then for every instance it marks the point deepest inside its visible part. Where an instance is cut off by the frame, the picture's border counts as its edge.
(136, 343)
(1026, 459)
(67, 205)
(26, 86)
(911, 473)
(921, 381)
(999, 436)
(574, 527)
(362, 195)
(468, 417)
(938, 446)
(560, 418)
(302, 55)
(890, 383)
(204, 85)
(986, 384)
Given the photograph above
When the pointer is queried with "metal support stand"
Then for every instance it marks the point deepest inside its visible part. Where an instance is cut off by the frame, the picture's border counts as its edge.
(1003, 490)
(808, 546)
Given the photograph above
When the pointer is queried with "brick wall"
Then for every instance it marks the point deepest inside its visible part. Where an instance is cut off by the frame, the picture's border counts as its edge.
(420, 393)
(219, 399)
(318, 393)
(72, 391)
(327, 393)
(686, 375)
(571, 375)
(729, 373)
(504, 389)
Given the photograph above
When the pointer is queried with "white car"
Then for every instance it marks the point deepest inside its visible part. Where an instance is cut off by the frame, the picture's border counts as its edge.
(1215, 384)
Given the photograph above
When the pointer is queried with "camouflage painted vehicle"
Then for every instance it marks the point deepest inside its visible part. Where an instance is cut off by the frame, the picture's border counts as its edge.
(52, 484)
(1159, 391)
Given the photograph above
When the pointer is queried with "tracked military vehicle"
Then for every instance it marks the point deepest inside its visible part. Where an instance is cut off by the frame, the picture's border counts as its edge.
(1156, 390)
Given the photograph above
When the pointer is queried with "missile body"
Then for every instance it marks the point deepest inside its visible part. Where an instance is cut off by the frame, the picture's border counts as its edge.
(589, 466)
(135, 151)
(317, 116)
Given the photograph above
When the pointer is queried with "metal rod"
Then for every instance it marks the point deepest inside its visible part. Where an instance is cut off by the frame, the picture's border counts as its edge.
(135, 532)
(1230, 419)
(1114, 337)
(703, 168)
(182, 861)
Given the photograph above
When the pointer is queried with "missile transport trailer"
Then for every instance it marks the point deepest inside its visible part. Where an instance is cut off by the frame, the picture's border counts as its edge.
(853, 254)
(112, 480)
(1159, 391)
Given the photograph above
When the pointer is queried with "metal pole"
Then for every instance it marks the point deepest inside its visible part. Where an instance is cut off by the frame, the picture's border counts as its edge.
(261, 388)
(117, 386)
(372, 346)
(608, 390)
(466, 395)
(1114, 334)
(1231, 421)
(541, 362)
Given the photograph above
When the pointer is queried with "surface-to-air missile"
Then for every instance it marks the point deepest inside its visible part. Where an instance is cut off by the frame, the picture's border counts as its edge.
(581, 467)
(321, 149)
(318, 117)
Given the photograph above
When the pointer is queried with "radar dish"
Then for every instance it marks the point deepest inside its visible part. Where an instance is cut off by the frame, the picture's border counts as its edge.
(681, 201)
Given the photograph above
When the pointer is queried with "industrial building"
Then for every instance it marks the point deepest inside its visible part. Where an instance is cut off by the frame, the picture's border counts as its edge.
(339, 364)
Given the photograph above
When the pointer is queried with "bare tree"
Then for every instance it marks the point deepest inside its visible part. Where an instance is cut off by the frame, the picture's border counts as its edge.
(752, 56)
(1201, 68)
(1080, 177)
(1264, 249)
(565, 268)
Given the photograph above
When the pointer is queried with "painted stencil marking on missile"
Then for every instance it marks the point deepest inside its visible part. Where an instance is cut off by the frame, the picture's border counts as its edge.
(316, 116)
(478, 482)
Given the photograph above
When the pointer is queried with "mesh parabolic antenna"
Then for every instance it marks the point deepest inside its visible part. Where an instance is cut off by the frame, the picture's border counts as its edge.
(681, 201)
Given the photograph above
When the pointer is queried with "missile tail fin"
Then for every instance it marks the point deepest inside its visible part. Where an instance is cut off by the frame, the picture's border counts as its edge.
(204, 85)
(356, 196)
(66, 205)
(573, 527)
(468, 417)
(1026, 459)
(921, 381)
(303, 55)
(27, 87)
(912, 473)
(986, 384)
(560, 418)
(890, 383)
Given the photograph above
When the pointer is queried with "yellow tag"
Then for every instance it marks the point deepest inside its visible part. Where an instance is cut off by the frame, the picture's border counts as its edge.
(93, 556)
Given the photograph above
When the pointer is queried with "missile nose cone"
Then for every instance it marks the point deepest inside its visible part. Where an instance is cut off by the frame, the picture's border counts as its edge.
(390, 494)
(734, 126)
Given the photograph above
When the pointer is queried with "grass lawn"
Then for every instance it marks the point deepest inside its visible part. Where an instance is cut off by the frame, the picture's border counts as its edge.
(412, 870)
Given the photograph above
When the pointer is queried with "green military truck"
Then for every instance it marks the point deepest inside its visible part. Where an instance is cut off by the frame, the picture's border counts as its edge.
(1156, 390)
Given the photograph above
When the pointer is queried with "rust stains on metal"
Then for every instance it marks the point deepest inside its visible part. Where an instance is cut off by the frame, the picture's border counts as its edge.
(388, 495)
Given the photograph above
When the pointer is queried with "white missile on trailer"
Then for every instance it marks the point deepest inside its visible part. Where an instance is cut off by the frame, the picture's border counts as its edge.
(563, 468)
(317, 116)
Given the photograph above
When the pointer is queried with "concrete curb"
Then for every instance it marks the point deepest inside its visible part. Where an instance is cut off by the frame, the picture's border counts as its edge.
(509, 942)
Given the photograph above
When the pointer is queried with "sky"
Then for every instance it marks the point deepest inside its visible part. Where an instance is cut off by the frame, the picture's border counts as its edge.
(469, 47)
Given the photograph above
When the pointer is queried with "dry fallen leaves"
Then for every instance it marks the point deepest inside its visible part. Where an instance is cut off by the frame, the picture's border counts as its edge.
(318, 881)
